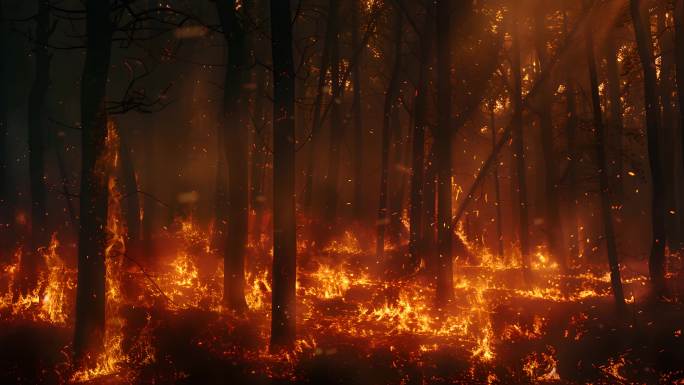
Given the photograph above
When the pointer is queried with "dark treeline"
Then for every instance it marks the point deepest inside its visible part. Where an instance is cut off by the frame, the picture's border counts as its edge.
(419, 125)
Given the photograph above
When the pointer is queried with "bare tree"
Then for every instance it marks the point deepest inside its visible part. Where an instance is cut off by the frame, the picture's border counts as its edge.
(656, 262)
(604, 183)
(90, 293)
(284, 230)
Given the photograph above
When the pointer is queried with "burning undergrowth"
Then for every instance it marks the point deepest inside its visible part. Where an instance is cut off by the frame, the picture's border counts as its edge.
(167, 323)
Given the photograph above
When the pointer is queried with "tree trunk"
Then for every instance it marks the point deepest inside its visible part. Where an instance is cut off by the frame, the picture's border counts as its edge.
(443, 136)
(90, 292)
(599, 131)
(656, 262)
(571, 140)
(130, 187)
(390, 106)
(5, 212)
(418, 153)
(679, 74)
(330, 37)
(284, 231)
(336, 134)
(429, 238)
(519, 150)
(236, 148)
(552, 223)
(668, 129)
(36, 146)
(497, 189)
(259, 154)
(358, 118)
(616, 124)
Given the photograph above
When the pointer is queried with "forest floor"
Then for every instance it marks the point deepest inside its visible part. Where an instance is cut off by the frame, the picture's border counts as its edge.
(357, 327)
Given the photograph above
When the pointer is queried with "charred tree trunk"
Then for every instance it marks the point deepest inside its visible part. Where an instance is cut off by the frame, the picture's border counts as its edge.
(572, 154)
(284, 231)
(5, 216)
(236, 148)
(443, 136)
(668, 129)
(90, 292)
(656, 262)
(36, 146)
(429, 238)
(357, 116)
(497, 188)
(679, 74)
(519, 149)
(604, 184)
(259, 154)
(336, 134)
(390, 105)
(130, 187)
(616, 124)
(420, 126)
(552, 212)
(330, 36)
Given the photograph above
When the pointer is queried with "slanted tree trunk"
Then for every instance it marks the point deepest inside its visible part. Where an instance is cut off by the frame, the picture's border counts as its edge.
(90, 292)
(390, 105)
(443, 136)
(497, 188)
(552, 223)
(519, 149)
(236, 148)
(36, 146)
(418, 154)
(604, 183)
(656, 262)
(284, 225)
(358, 201)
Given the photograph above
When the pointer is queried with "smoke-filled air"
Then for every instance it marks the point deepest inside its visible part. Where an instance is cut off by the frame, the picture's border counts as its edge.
(350, 192)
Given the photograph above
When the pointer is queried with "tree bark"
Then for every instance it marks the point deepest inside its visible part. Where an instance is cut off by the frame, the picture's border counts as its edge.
(330, 36)
(389, 109)
(443, 139)
(519, 149)
(668, 119)
(616, 123)
(236, 149)
(36, 146)
(604, 183)
(5, 216)
(497, 189)
(130, 187)
(552, 223)
(418, 154)
(90, 292)
(336, 134)
(679, 74)
(656, 262)
(358, 201)
(284, 231)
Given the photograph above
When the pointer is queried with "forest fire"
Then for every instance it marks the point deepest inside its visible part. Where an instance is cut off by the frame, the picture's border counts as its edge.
(341, 192)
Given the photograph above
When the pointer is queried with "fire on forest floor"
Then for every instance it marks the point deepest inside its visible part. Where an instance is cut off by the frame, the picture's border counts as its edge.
(355, 325)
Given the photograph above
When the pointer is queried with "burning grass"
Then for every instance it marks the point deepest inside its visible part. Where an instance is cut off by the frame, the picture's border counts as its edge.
(166, 323)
